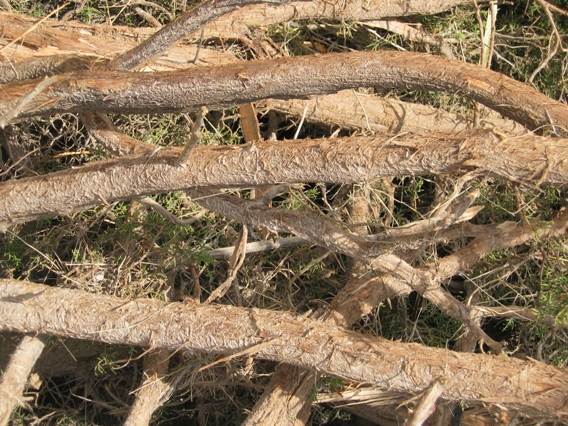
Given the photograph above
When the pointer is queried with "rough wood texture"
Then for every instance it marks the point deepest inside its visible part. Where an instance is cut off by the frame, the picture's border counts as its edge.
(528, 158)
(281, 337)
(339, 10)
(190, 21)
(16, 375)
(283, 78)
(287, 397)
(153, 390)
(92, 43)
(354, 110)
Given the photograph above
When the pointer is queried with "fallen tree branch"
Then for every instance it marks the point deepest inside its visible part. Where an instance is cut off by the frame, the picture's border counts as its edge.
(353, 110)
(94, 44)
(283, 78)
(190, 21)
(238, 22)
(100, 127)
(528, 158)
(154, 389)
(286, 398)
(16, 375)
(326, 233)
(471, 378)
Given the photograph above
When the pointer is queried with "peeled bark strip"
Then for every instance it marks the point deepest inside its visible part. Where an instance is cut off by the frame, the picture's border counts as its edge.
(528, 158)
(16, 375)
(281, 337)
(283, 78)
(92, 43)
(353, 110)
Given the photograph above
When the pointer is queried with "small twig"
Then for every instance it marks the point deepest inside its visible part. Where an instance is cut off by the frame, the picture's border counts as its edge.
(151, 4)
(257, 246)
(235, 263)
(148, 17)
(199, 46)
(302, 271)
(74, 12)
(557, 37)
(168, 215)
(194, 138)
(555, 8)
(301, 122)
(364, 111)
(246, 352)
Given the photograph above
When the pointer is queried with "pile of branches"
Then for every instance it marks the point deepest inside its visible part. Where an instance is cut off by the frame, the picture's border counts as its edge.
(90, 78)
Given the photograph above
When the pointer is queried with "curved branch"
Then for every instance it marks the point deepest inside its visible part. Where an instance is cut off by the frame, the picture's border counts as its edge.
(283, 78)
(354, 110)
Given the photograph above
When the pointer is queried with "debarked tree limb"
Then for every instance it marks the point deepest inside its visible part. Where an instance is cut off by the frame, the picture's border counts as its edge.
(283, 78)
(281, 337)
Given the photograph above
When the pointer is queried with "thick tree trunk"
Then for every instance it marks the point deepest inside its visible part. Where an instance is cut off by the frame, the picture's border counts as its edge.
(283, 78)
(281, 337)
(528, 158)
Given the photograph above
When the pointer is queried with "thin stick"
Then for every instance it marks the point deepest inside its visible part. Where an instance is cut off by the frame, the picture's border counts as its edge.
(301, 122)
(194, 138)
(170, 216)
